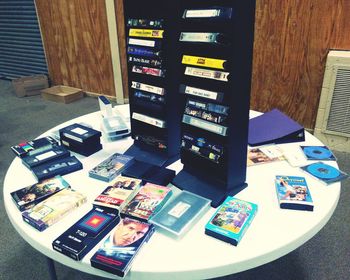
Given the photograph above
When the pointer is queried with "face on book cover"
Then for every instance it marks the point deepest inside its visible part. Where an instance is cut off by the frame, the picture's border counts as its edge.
(128, 232)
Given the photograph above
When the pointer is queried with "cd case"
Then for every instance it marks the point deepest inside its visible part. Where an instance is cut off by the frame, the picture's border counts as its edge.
(178, 215)
(231, 220)
(317, 153)
(111, 167)
(325, 172)
(80, 238)
(27, 197)
(293, 193)
(118, 250)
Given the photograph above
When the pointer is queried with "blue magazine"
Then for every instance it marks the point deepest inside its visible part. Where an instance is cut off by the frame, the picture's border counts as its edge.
(293, 193)
(231, 220)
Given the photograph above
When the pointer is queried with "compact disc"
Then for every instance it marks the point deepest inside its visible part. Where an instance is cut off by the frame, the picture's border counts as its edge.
(323, 171)
(315, 152)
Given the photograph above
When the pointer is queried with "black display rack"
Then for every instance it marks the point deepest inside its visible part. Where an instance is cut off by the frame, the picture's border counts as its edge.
(151, 40)
(215, 103)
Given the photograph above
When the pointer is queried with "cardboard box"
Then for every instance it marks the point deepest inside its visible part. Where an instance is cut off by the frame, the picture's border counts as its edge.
(63, 94)
(30, 85)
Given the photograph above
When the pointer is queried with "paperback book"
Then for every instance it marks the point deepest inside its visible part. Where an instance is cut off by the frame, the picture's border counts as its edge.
(27, 197)
(111, 167)
(119, 249)
(147, 201)
(80, 238)
(293, 193)
(54, 208)
(118, 193)
(231, 220)
(325, 172)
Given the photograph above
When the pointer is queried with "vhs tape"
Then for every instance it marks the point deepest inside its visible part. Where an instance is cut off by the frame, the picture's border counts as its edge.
(34, 146)
(148, 88)
(118, 250)
(82, 149)
(56, 152)
(57, 167)
(209, 126)
(54, 208)
(111, 167)
(213, 95)
(27, 197)
(80, 134)
(148, 120)
(80, 238)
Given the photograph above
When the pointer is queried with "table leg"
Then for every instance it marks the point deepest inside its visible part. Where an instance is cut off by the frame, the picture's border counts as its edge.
(51, 267)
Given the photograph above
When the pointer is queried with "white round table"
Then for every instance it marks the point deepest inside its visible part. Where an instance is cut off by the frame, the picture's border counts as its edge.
(273, 233)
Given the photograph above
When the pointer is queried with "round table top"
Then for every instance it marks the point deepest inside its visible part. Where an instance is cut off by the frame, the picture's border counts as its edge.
(273, 233)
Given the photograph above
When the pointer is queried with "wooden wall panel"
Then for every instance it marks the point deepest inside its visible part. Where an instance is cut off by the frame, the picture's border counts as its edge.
(76, 41)
(292, 39)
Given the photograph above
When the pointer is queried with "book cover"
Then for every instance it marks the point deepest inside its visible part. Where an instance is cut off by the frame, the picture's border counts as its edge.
(293, 193)
(118, 250)
(177, 216)
(118, 193)
(147, 201)
(325, 173)
(317, 153)
(54, 208)
(111, 167)
(27, 197)
(231, 220)
(80, 238)
(262, 155)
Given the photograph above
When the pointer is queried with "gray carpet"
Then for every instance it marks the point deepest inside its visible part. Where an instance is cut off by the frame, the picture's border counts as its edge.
(325, 256)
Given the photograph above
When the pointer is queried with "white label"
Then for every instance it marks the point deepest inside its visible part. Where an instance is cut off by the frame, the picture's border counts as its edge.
(205, 125)
(79, 131)
(73, 137)
(43, 212)
(45, 155)
(148, 88)
(201, 92)
(149, 120)
(140, 42)
(198, 37)
(205, 73)
(179, 209)
(202, 13)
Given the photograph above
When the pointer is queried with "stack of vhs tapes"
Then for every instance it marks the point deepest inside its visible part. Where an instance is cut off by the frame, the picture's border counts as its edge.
(46, 158)
(81, 139)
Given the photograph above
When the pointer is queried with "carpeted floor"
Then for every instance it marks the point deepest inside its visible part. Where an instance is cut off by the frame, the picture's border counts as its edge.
(326, 256)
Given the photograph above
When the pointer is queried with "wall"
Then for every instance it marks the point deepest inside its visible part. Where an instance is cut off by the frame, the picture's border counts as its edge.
(292, 39)
(76, 42)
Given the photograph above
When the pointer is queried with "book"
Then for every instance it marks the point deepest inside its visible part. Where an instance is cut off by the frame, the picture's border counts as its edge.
(80, 238)
(177, 216)
(147, 201)
(54, 208)
(317, 153)
(118, 250)
(118, 193)
(325, 173)
(231, 220)
(111, 167)
(293, 193)
(264, 155)
(27, 197)
(274, 127)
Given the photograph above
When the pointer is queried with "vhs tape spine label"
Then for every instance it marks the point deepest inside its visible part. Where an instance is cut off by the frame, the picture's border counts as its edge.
(215, 128)
(201, 92)
(148, 33)
(208, 74)
(203, 61)
(148, 88)
(149, 120)
(142, 42)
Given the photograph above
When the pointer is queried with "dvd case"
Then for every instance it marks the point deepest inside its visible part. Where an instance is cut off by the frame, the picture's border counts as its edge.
(118, 193)
(54, 208)
(177, 216)
(147, 201)
(80, 238)
(27, 197)
(293, 193)
(231, 220)
(118, 250)
(111, 167)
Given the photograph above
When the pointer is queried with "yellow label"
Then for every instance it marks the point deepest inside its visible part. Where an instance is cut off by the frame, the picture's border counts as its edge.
(148, 33)
(203, 61)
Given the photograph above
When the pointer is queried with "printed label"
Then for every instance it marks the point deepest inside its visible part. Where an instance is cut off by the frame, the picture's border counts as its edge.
(179, 209)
